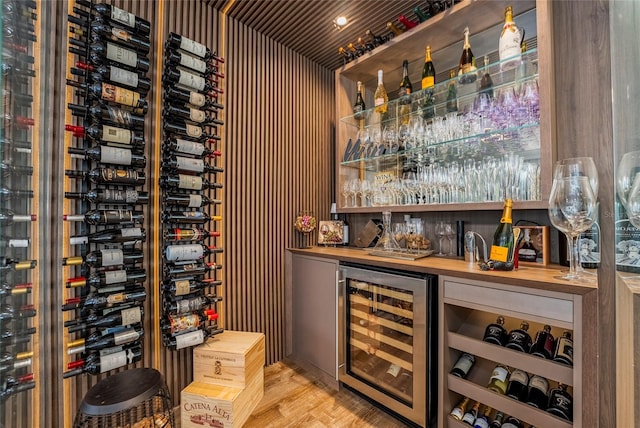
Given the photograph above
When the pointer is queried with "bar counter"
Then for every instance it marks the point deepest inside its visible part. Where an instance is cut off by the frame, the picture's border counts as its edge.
(538, 277)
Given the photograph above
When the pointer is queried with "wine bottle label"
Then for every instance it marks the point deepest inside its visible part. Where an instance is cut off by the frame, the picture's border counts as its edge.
(131, 232)
(499, 254)
(185, 305)
(499, 374)
(464, 364)
(120, 34)
(121, 55)
(457, 413)
(193, 47)
(428, 82)
(125, 77)
(195, 201)
(115, 155)
(539, 383)
(18, 243)
(192, 182)
(189, 339)
(193, 130)
(123, 17)
(182, 287)
(469, 418)
(191, 80)
(197, 99)
(196, 115)
(114, 196)
(119, 116)
(119, 95)
(564, 350)
(78, 240)
(115, 276)
(378, 102)
(193, 63)
(560, 403)
(125, 336)
(116, 298)
(113, 361)
(393, 370)
(519, 376)
(184, 252)
(190, 147)
(183, 323)
(120, 175)
(509, 43)
(481, 423)
(190, 164)
(131, 316)
(112, 257)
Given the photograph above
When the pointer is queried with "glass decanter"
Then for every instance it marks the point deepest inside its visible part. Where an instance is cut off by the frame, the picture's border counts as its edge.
(387, 242)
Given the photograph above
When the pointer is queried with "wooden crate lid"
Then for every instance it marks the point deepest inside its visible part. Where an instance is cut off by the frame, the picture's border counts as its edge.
(232, 342)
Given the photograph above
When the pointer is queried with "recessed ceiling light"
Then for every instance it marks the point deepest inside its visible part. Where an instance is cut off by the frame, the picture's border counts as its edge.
(340, 22)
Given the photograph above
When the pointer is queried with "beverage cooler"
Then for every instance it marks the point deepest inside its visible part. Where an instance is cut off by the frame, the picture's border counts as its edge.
(387, 338)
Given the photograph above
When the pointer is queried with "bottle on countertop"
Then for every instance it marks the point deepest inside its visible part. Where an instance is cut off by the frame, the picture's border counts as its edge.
(502, 246)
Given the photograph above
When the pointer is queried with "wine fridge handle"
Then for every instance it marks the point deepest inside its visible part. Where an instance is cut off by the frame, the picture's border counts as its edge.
(340, 336)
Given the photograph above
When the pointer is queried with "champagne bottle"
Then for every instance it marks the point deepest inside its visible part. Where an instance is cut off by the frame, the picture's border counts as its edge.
(193, 234)
(174, 164)
(102, 114)
(103, 217)
(196, 99)
(463, 365)
(109, 277)
(177, 253)
(194, 148)
(394, 29)
(538, 392)
(428, 84)
(543, 345)
(110, 175)
(192, 338)
(97, 301)
(519, 339)
(116, 75)
(482, 421)
(111, 196)
(509, 42)
(408, 24)
(187, 182)
(120, 317)
(517, 386)
(486, 83)
(380, 98)
(105, 362)
(459, 410)
(564, 349)
(110, 155)
(404, 93)
(502, 245)
(193, 304)
(174, 325)
(470, 416)
(181, 270)
(186, 286)
(467, 66)
(359, 106)
(188, 200)
(452, 93)
(499, 379)
(189, 217)
(106, 258)
(108, 12)
(131, 39)
(109, 134)
(111, 236)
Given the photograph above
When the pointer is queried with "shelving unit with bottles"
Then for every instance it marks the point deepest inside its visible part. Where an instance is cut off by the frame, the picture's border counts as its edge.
(525, 140)
(467, 307)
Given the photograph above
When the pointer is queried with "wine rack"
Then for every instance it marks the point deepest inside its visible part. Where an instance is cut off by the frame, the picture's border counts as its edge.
(468, 307)
(18, 198)
(191, 125)
(105, 273)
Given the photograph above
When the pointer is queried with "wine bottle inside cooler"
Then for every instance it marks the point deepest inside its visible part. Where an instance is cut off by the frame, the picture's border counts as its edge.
(111, 196)
(519, 339)
(517, 386)
(111, 156)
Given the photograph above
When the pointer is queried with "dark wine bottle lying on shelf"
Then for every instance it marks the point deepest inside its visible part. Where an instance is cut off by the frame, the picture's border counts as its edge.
(180, 270)
(97, 301)
(173, 325)
(110, 93)
(193, 338)
(10, 312)
(194, 115)
(13, 386)
(191, 234)
(106, 258)
(7, 289)
(104, 362)
(115, 75)
(121, 317)
(127, 235)
(178, 253)
(186, 286)
(177, 41)
(8, 263)
(10, 337)
(187, 164)
(111, 196)
(115, 53)
(180, 128)
(109, 175)
(110, 156)
(107, 12)
(109, 277)
(102, 341)
(8, 169)
(193, 148)
(188, 200)
(176, 58)
(7, 242)
(189, 217)
(107, 31)
(191, 304)
(8, 217)
(187, 182)
(7, 194)
(9, 119)
(191, 81)
(15, 146)
(196, 99)
(109, 134)
(102, 217)
(10, 362)
(13, 70)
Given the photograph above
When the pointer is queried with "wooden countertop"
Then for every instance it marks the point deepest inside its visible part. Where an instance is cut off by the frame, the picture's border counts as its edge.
(526, 276)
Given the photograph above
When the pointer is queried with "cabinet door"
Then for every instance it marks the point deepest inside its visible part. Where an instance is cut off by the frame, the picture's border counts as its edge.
(314, 291)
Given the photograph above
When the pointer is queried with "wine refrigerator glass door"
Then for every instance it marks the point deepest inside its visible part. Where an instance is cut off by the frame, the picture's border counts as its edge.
(384, 339)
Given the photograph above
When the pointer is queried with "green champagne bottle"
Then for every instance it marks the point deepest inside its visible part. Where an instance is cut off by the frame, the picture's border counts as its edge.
(502, 245)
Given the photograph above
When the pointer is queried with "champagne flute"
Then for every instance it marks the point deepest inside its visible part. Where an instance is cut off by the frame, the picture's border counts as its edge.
(572, 206)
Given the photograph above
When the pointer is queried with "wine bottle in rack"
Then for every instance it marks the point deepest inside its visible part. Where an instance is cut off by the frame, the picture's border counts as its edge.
(177, 41)
(109, 277)
(459, 410)
(102, 341)
(538, 394)
(463, 365)
(113, 74)
(110, 155)
(177, 253)
(97, 301)
(543, 345)
(111, 93)
(187, 130)
(119, 317)
(189, 339)
(188, 200)
(470, 416)
(564, 349)
(105, 362)
(517, 386)
(193, 98)
(561, 403)
(194, 148)
(14, 289)
(187, 182)
(192, 234)
(103, 217)
(186, 286)
(10, 361)
(7, 194)
(10, 312)
(189, 217)
(109, 13)
(181, 270)
(519, 339)
(190, 81)
(173, 325)
(12, 385)
(106, 258)
(194, 115)
(7, 169)
(176, 58)
(499, 378)
(188, 164)
(102, 53)
(126, 235)
(111, 196)
(110, 175)
(115, 33)
(496, 333)
(109, 134)
(8, 263)
(104, 114)
(193, 304)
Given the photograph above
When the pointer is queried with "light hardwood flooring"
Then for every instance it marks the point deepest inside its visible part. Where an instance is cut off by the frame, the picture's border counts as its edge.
(293, 397)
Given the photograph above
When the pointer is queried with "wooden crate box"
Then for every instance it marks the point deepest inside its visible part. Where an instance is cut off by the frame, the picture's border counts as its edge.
(231, 358)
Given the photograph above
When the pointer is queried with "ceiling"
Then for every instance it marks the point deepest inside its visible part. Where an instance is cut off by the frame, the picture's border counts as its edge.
(306, 26)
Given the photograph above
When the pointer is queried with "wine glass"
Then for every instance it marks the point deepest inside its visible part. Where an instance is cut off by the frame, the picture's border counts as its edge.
(450, 233)
(440, 233)
(626, 174)
(572, 206)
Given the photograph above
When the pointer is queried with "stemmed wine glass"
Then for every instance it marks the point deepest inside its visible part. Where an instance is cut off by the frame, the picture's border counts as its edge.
(450, 233)
(572, 206)
(440, 233)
